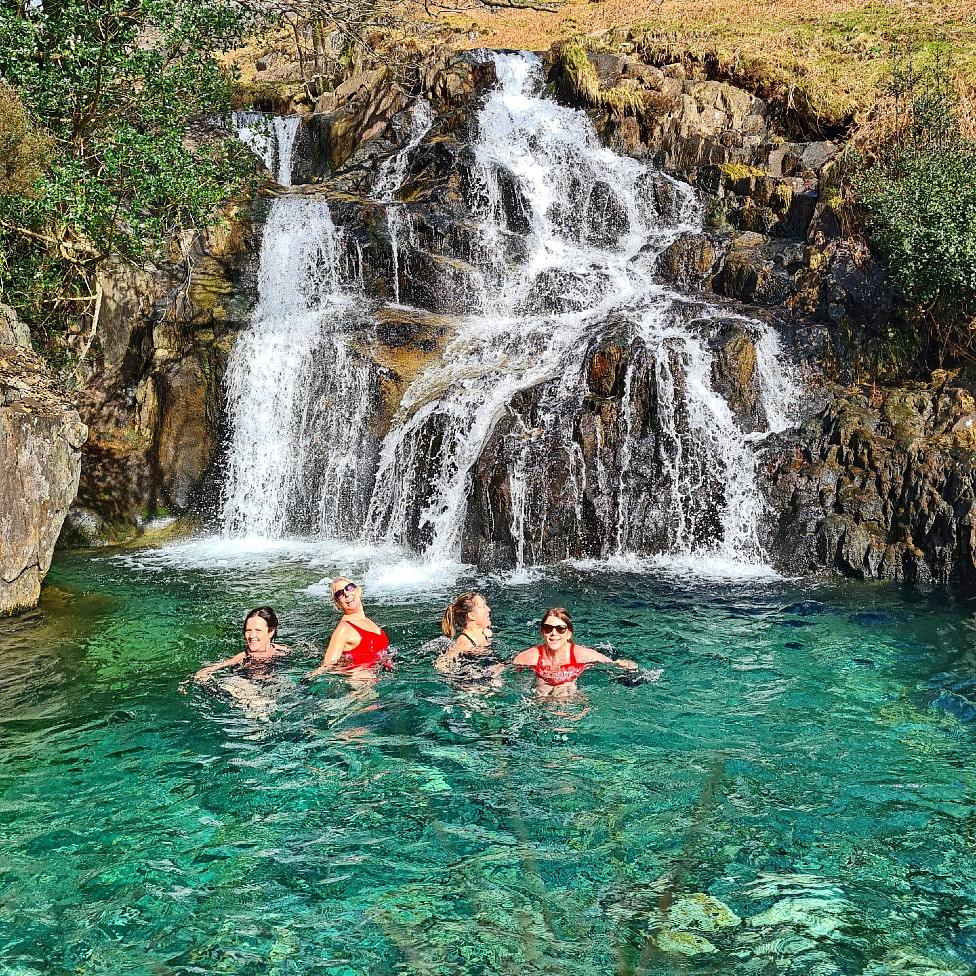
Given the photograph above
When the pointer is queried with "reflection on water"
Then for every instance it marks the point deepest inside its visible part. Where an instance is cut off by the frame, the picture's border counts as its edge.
(794, 795)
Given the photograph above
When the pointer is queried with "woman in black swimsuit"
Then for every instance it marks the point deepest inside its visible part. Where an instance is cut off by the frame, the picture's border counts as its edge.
(468, 621)
(260, 651)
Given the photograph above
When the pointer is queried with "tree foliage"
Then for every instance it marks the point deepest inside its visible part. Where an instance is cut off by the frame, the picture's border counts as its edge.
(919, 199)
(109, 151)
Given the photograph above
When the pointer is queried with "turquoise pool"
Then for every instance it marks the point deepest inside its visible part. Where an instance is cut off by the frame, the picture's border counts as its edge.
(794, 795)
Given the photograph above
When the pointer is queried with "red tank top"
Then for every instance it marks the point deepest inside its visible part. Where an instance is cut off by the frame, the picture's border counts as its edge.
(370, 651)
(558, 674)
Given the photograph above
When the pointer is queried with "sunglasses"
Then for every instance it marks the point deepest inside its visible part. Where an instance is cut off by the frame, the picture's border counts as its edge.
(346, 590)
(554, 628)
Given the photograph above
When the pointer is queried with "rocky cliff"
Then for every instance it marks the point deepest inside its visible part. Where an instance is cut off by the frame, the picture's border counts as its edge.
(873, 486)
(41, 438)
(882, 485)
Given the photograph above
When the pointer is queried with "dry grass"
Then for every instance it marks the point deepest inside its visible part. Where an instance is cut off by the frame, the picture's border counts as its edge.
(829, 58)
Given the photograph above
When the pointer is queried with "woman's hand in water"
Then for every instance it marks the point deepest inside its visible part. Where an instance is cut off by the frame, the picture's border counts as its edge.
(625, 664)
(317, 673)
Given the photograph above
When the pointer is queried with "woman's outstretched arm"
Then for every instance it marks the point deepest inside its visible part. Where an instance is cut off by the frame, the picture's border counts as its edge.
(586, 655)
(206, 673)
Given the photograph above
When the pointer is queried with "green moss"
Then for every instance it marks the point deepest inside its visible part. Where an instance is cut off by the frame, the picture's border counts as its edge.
(574, 60)
(621, 101)
(740, 171)
(580, 71)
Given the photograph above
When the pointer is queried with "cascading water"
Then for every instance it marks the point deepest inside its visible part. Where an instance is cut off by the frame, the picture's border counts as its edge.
(390, 180)
(272, 138)
(294, 385)
(594, 223)
(510, 420)
(299, 396)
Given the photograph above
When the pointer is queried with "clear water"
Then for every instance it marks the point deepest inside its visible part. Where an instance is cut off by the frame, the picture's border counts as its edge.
(806, 759)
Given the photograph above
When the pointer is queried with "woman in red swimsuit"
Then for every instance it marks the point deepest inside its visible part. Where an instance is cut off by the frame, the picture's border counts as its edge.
(357, 644)
(557, 661)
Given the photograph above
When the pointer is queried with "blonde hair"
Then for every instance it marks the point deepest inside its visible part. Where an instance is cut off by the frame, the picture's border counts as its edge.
(338, 579)
(456, 615)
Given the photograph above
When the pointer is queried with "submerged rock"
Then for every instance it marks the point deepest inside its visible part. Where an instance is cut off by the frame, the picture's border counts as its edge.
(701, 912)
(683, 943)
(41, 436)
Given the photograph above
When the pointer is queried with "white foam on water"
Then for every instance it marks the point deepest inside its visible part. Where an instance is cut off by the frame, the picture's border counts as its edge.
(692, 567)
(397, 580)
(220, 552)
(524, 576)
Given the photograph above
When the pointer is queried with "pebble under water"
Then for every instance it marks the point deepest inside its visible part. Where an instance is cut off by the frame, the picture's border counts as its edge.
(794, 795)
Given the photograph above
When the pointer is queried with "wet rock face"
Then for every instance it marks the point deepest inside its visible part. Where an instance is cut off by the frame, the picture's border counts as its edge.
(882, 487)
(41, 436)
(152, 399)
(589, 475)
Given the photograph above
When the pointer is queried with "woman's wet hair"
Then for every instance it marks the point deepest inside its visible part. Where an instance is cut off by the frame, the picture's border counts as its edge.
(456, 615)
(268, 615)
(559, 612)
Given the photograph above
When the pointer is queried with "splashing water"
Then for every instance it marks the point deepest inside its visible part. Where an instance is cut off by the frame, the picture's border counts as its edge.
(272, 138)
(512, 385)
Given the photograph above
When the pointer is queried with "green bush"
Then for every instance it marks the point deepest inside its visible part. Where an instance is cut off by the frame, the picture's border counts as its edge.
(919, 204)
(99, 161)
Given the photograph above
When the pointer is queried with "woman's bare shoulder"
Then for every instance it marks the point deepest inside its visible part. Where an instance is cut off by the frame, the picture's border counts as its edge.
(529, 656)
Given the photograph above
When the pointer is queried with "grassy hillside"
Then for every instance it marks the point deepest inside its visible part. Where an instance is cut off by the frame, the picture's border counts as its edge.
(833, 55)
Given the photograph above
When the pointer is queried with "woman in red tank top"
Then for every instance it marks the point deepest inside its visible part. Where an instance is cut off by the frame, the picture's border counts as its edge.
(557, 661)
(357, 642)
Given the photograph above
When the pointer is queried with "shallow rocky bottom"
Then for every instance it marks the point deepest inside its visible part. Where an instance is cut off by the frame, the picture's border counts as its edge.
(787, 798)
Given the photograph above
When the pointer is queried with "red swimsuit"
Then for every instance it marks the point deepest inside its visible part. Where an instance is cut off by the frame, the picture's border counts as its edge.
(371, 651)
(558, 674)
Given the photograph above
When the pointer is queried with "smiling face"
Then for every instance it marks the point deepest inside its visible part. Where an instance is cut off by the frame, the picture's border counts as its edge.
(346, 595)
(556, 633)
(257, 635)
(479, 616)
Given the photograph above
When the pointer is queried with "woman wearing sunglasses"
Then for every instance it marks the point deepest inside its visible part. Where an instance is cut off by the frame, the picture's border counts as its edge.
(557, 661)
(356, 642)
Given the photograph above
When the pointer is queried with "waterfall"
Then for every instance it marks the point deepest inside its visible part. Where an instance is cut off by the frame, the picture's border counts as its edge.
(594, 223)
(508, 427)
(297, 395)
(390, 179)
(272, 138)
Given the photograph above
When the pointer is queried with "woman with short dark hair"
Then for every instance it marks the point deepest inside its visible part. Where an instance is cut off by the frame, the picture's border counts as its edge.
(557, 661)
(260, 650)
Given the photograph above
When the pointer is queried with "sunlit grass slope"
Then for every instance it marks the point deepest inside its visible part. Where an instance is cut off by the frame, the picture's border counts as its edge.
(832, 56)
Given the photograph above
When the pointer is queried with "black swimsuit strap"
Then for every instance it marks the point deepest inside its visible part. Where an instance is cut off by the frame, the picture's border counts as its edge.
(474, 643)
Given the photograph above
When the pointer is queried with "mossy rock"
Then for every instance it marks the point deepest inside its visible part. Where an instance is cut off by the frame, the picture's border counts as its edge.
(679, 943)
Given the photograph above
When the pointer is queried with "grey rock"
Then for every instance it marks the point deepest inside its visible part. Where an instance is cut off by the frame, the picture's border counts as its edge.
(41, 436)
(13, 332)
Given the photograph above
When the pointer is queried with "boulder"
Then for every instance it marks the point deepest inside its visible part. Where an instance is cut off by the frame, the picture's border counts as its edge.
(13, 332)
(689, 260)
(358, 111)
(41, 436)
